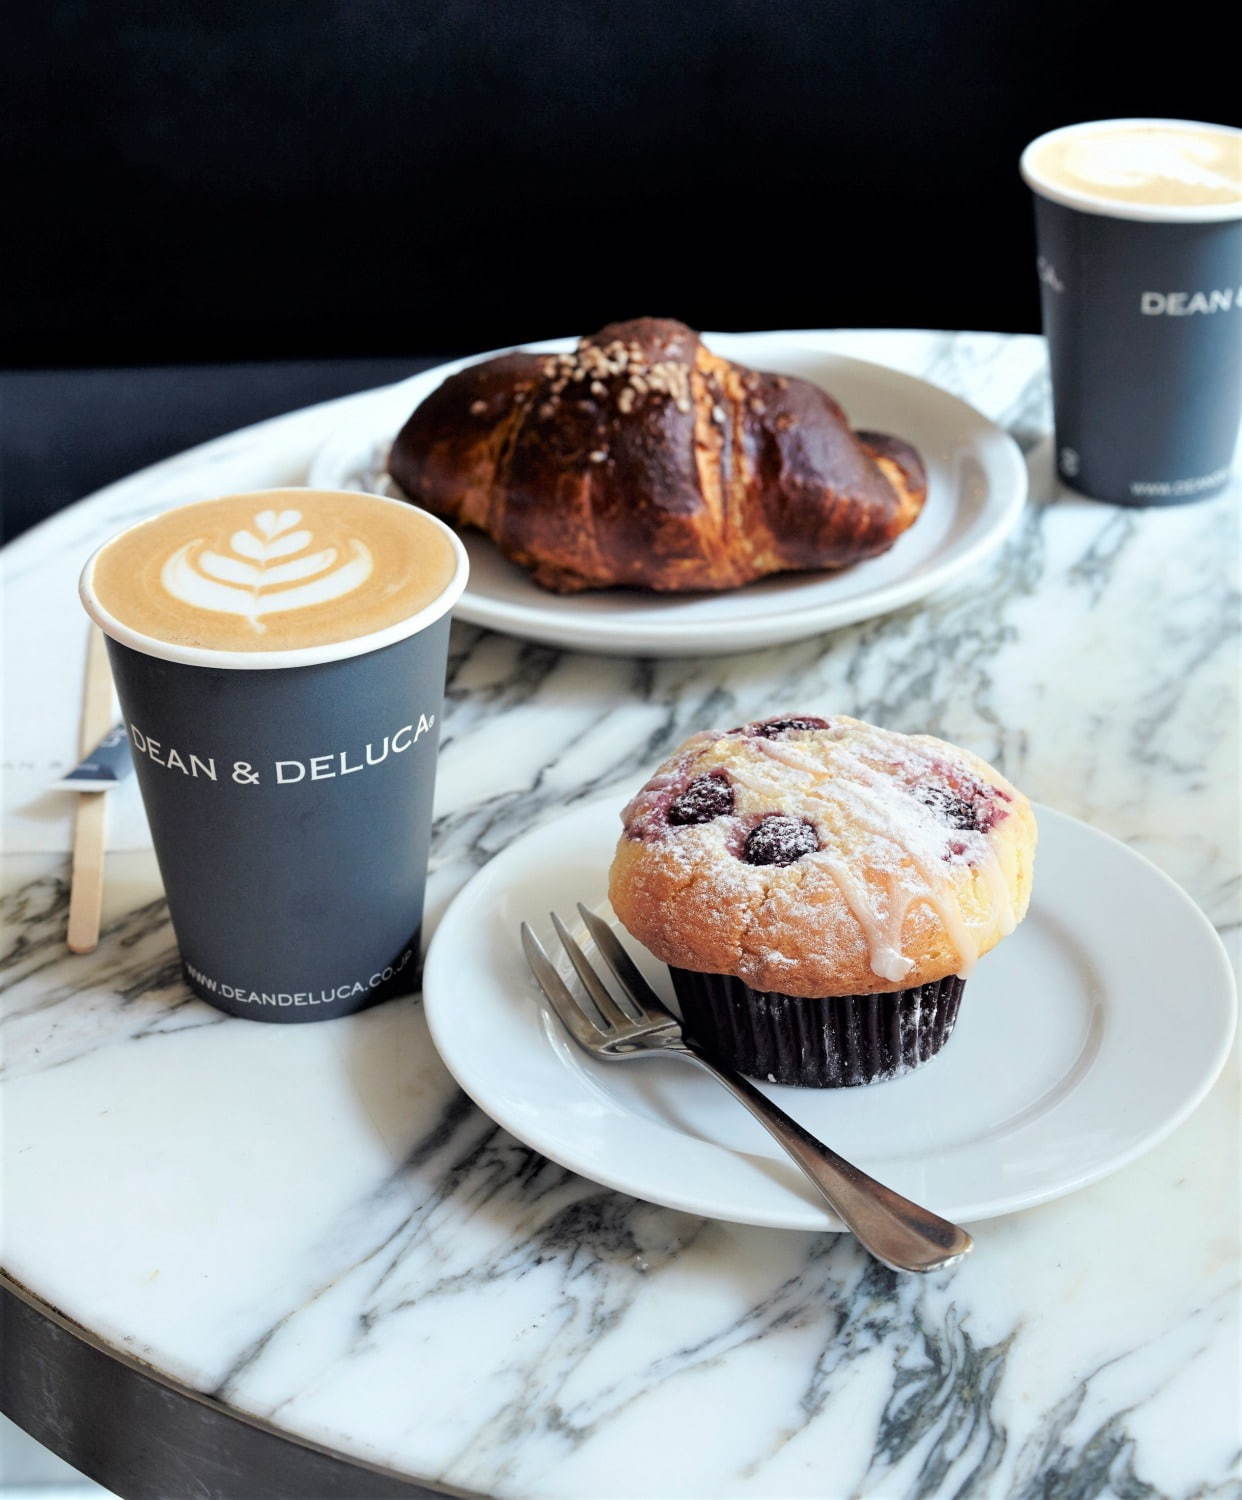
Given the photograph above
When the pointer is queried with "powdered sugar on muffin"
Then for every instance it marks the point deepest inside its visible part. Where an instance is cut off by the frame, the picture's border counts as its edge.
(818, 857)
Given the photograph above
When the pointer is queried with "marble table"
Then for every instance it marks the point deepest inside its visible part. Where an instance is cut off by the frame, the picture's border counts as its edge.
(313, 1228)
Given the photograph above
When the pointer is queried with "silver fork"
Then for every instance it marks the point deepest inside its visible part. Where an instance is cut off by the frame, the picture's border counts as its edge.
(896, 1231)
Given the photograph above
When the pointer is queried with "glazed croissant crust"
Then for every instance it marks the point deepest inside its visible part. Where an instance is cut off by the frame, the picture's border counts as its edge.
(643, 460)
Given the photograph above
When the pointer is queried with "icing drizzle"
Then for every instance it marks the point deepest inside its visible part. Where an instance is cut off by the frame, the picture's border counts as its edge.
(880, 804)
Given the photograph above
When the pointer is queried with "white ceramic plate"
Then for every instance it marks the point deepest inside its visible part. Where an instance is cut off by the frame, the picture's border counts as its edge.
(977, 484)
(1083, 1040)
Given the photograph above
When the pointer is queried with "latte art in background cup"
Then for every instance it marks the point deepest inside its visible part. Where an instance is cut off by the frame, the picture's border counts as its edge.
(1154, 163)
(280, 660)
(1139, 226)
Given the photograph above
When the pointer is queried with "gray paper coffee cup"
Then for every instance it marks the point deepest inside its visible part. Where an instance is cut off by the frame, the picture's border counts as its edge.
(1142, 311)
(290, 807)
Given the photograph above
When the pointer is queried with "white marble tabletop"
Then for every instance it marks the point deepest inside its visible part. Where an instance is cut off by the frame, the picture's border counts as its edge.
(315, 1226)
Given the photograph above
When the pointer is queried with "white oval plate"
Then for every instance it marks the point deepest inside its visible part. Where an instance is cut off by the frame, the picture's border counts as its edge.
(977, 484)
(1083, 1040)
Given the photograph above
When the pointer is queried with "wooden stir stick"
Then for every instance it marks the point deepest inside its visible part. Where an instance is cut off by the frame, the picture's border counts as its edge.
(90, 825)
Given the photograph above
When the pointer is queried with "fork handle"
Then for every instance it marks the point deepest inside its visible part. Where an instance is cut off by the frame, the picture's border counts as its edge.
(896, 1231)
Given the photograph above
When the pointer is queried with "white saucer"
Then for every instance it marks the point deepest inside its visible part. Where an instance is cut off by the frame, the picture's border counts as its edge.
(977, 484)
(1083, 1040)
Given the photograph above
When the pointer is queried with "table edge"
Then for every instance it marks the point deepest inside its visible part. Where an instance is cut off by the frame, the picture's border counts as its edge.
(145, 1436)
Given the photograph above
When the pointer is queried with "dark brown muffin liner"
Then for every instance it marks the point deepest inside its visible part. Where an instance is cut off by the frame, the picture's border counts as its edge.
(832, 1043)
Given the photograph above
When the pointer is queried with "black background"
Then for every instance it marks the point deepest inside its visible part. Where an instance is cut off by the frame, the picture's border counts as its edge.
(253, 179)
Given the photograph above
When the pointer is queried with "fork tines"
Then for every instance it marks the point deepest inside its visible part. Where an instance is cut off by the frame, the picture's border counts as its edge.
(601, 1017)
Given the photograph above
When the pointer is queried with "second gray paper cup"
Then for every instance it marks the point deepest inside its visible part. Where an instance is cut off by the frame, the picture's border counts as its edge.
(1142, 310)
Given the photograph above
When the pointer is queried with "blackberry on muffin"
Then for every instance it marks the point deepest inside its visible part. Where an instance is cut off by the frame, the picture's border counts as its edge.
(820, 889)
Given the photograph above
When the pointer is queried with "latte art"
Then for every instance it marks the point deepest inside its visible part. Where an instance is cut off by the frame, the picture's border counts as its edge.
(1170, 165)
(274, 571)
(1147, 161)
(253, 579)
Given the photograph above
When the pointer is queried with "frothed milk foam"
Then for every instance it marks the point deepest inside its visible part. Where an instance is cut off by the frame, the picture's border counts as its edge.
(1168, 166)
(273, 571)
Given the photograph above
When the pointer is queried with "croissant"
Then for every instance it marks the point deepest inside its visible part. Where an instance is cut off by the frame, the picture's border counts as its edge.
(643, 460)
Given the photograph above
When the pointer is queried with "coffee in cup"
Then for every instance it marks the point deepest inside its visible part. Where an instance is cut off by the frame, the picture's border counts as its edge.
(274, 572)
(1141, 164)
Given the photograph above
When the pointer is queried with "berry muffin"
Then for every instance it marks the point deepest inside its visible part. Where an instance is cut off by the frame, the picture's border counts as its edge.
(820, 889)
